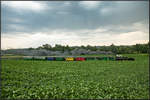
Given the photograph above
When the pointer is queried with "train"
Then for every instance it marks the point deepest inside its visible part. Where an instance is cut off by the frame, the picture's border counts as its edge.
(116, 58)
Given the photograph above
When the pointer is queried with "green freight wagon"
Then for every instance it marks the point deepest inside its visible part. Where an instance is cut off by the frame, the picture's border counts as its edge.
(90, 58)
(105, 58)
(38, 58)
(99, 58)
(59, 58)
(27, 58)
(111, 58)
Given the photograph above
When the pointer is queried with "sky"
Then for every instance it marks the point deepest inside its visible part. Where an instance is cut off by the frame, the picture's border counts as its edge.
(27, 24)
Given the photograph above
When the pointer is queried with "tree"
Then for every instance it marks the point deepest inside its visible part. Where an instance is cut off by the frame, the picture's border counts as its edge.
(113, 48)
(47, 47)
(68, 48)
(30, 48)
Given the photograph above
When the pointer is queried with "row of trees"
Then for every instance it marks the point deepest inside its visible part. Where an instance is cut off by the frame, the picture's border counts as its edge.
(138, 48)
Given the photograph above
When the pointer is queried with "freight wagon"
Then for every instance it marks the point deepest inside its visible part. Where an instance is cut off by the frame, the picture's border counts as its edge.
(120, 58)
(124, 58)
(27, 58)
(38, 58)
(59, 58)
(80, 59)
(99, 58)
(69, 59)
(50, 58)
(111, 58)
(90, 58)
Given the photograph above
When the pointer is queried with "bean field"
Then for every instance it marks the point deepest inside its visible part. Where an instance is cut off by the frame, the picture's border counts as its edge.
(27, 79)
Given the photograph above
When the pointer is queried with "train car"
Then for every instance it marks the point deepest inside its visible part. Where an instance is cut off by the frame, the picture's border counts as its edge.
(38, 58)
(131, 59)
(50, 58)
(123, 58)
(80, 59)
(69, 59)
(59, 58)
(90, 58)
(111, 58)
(27, 57)
(118, 58)
(105, 58)
(99, 58)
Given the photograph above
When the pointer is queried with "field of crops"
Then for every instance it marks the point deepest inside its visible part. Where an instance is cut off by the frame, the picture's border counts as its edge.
(77, 80)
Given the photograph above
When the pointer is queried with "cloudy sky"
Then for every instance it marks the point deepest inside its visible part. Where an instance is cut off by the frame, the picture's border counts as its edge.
(34, 23)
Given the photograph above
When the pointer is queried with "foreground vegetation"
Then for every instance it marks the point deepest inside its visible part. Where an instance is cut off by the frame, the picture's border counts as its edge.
(86, 79)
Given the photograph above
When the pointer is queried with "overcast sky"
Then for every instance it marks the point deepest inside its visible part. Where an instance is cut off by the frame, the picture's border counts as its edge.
(34, 23)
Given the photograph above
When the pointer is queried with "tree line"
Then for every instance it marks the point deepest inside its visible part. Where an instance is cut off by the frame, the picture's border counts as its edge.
(122, 49)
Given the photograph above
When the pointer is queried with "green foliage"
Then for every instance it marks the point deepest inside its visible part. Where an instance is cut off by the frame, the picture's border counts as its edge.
(78, 80)
(138, 48)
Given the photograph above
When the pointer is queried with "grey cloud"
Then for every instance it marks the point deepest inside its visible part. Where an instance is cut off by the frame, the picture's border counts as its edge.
(71, 16)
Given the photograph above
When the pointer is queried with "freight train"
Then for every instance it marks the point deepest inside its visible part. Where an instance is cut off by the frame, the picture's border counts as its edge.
(116, 58)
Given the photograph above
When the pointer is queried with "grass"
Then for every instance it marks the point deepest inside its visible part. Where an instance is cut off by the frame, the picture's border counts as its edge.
(76, 79)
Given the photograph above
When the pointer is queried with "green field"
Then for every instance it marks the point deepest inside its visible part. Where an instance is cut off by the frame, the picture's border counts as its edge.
(76, 79)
